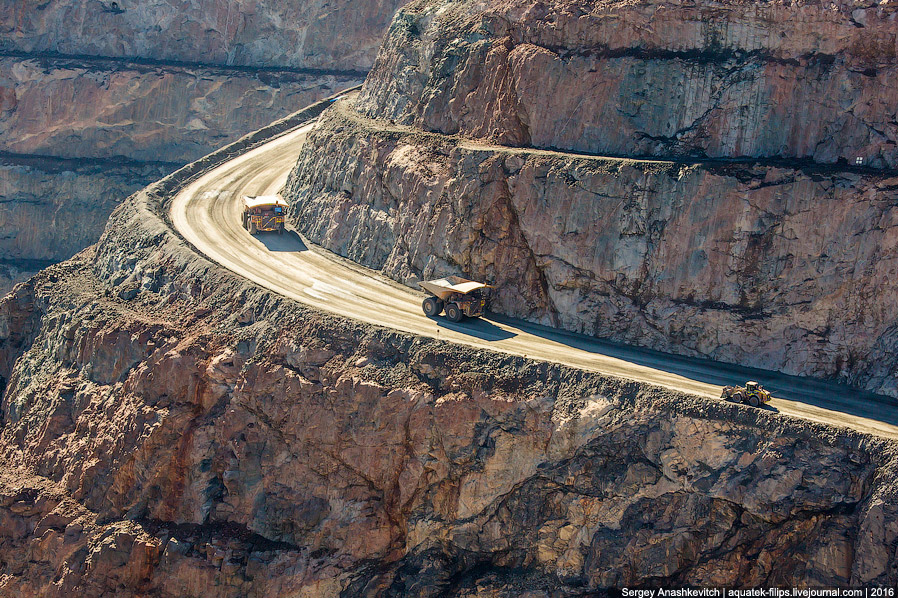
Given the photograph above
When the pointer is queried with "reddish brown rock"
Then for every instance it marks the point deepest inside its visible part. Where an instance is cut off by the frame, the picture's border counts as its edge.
(146, 113)
(198, 453)
(335, 35)
(731, 262)
(131, 87)
(801, 80)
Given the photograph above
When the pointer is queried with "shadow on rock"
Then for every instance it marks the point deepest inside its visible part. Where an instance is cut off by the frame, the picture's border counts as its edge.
(820, 393)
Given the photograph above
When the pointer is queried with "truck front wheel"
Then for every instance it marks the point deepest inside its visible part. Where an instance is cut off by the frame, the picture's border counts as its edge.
(453, 312)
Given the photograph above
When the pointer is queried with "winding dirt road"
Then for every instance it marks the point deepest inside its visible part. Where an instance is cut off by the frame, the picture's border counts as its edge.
(207, 213)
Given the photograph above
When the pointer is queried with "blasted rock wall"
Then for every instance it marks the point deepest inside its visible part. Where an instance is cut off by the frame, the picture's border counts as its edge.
(78, 136)
(334, 35)
(90, 109)
(812, 81)
(185, 433)
(756, 238)
(51, 208)
(169, 429)
(785, 269)
(155, 82)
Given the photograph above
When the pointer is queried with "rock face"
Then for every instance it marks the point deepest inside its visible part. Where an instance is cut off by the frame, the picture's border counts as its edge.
(730, 262)
(731, 258)
(66, 164)
(722, 79)
(333, 35)
(52, 208)
(152, 83)
(177, 431)
(144, 113)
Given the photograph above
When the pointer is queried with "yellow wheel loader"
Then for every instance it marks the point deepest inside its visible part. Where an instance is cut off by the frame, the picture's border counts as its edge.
(751, 394)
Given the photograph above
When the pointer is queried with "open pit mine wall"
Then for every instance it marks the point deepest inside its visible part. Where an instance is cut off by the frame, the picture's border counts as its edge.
(169, 429)
(147, 86)
(814, 81)
(79, 136)
(309, 34)
(791, 270)
(51, 208)
(781, 263)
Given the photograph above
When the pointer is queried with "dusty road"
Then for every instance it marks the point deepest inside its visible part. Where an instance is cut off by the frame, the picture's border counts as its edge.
(207, 213)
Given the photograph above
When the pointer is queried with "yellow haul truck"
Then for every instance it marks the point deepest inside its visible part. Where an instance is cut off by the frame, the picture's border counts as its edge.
(459, 296)
(264, 213)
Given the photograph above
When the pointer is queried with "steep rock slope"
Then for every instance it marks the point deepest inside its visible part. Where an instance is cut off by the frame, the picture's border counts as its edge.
(118, 127)
(717, 79)
(176, 431)
(780, 260)
(145, 112)
(731, 262)
(145, 83)
(333, 35)
(51, 208)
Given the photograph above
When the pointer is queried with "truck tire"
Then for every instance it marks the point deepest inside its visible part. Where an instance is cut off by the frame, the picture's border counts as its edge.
(252, 228)
(738, 397)
(753, 400)
(453, 312)
(432, 306)
(281, 228)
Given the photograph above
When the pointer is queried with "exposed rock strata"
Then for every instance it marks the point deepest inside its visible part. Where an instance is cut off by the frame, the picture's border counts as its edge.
(717, 79)
(732, 262)
(52, 546)
(338, 34)
(752, 241)
(162, 81)
(177, 431)
(362, 462)
(142, 112)
(79, 136)
(50, 208)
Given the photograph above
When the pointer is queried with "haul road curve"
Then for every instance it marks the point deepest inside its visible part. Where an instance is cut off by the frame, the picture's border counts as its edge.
(207, 214)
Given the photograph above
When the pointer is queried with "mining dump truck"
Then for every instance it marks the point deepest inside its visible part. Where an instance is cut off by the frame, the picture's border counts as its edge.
(459, 296)
(752, 394)
(264, 213)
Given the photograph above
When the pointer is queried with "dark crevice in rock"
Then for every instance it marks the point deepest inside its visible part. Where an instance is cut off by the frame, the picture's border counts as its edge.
(222, 532)
(48, 163)
(267, 73)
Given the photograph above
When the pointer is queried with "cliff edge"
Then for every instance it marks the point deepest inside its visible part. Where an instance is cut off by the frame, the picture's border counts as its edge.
(170, 429)
(730, 218)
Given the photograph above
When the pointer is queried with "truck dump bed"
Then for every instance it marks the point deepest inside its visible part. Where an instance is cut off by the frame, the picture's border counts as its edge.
(262, 201)
(444, 287)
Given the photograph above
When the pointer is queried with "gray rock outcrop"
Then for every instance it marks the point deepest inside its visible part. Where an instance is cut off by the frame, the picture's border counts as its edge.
(650, 78)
